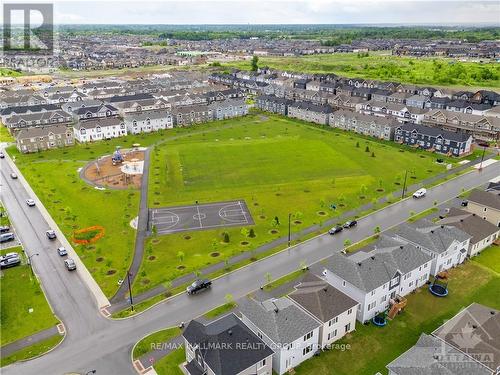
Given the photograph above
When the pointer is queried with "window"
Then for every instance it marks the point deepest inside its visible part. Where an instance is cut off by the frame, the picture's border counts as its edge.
(348, 327)
(262, 363)
(308, 336)
(372, 305)
(343, 283)
(383, 299)
(333, 321)
(349, 312)
(307, 349)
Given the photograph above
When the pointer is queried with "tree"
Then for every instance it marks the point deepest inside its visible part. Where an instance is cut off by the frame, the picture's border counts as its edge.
(255, 62)
(225, 236)
(347, 242)
(373, 154)
(268, 277)
(357, 144)
(251, 234)
(298, 215)
(302, 265)
(154, 230)
(229, 299)
(244, 232)
(180, 256)
(367, 149)
(376, 230)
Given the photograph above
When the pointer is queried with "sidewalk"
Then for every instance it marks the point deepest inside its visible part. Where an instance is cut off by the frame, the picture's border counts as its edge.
(119, 305)
(15, 346)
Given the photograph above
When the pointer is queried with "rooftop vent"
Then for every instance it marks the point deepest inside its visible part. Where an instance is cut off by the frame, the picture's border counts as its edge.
(372, 258)
(442, 226)
(230, 332)
(325, 289)
(359, 264)
(461, 220)
(401, 246)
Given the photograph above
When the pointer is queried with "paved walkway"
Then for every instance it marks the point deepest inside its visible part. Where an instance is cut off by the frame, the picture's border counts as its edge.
(15, 346)
(142, 232)
(121, 304)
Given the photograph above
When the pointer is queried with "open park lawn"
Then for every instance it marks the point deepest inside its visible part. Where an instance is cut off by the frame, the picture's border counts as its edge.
(384, 66)
(21, 292)
(278, 166)
(372, 348)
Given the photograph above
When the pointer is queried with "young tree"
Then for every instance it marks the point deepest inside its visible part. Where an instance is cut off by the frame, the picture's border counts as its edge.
(244, 232)
(251, 234)
(255, 62)
(376, 230)
(154, 230)
(225, 236)
(180, 256)
(229, 299)
(367, 149)
(373, 154)
(347, 242)
(357, 144)
(268, 277)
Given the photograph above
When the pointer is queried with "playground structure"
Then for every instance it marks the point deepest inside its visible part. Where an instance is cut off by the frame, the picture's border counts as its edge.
(123, 169)
(380, 319)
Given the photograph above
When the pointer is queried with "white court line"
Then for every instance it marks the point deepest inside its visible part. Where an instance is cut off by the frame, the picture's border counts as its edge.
(173, 217)
(204, 205)
(193, 228)
(244, 212)
(199, 216)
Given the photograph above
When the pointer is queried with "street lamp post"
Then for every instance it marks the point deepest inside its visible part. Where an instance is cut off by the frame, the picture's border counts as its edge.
(404, 185)
(289, 229)
(482, 158)
(130, 291)
(29, 262)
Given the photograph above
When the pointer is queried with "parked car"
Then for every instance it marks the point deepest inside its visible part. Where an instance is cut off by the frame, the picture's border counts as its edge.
(51, 234)
(198, 286)
(4, 228)
(62, 251)
(30, 202)
(2, 155)
(70, 264)
(4, 237)
(335, 229)
(420, 193)
(13, 176)
(464, 203)
(350, 224)
(10, 260)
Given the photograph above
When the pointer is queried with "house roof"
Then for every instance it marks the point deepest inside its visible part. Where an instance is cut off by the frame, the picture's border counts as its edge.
(125, 98)
(280, 319)
(321, 299)
(220, 344)
(42, 131)
(141, 116)
(102, 122)
(486, 198)
(379, 266)
(435, 132)
(379, 120)
(470, 223)
(94, 109)
(431, 356)
(431, 236)
(475, 330)
(28, 108)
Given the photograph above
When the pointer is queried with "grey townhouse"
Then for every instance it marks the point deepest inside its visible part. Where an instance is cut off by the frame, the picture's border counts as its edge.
(44, 138)
(38, 119)
(374, 126)
(273, 104)
(319, 114)
(228, 108)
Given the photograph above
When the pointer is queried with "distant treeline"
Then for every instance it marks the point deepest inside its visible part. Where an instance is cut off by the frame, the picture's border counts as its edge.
(329, 35)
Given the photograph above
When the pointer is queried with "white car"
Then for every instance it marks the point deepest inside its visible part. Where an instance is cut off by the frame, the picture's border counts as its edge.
(420, 193)
(30, 202)
(62, 251)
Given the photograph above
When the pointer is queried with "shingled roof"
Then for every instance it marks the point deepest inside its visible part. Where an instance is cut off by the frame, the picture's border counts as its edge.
(321, 299)
(220, 344)
(486, 198)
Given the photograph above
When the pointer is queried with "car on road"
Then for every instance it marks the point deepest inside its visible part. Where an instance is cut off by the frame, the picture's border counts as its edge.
(13, 176)
(51, 234)
(30, 202)
(198, 286)
(336, 229)
(420, 193)
(62, 251)
(2, 155)
(10, 260)
(4, 237)
(4, 228)
(350, 224)
(464, 203)
(70, 264)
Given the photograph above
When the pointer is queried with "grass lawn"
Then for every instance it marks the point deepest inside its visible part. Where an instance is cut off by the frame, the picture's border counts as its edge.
(20, 292)
(422, 214)
(384, 66)
(5, 136)
(372, 348)
(222, 309)
(277, 166)
(32, 351)
(4, 218)
(169, 365)
(490, 258)
(147, 344)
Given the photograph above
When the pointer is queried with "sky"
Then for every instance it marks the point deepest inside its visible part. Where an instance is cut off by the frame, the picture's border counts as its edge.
(276, 12)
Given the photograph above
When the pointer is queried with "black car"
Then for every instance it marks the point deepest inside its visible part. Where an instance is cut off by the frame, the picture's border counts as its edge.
(4, 228)
(198, 286)
(335, 229)
(350, 224)
(10, 260)
(464, 203)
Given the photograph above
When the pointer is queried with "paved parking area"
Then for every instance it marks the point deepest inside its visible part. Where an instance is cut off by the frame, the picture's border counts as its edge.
(200, 216)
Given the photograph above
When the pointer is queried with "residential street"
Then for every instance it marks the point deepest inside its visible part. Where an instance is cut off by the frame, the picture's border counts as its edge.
(94, 342)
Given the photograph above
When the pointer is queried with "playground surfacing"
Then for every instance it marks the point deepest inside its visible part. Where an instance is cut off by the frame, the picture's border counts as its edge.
(200, 217)
(122, 175)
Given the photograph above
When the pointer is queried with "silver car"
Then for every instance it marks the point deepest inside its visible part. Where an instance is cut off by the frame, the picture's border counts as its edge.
(70, 264)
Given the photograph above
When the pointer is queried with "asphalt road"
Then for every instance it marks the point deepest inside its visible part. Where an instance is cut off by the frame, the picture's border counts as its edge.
(94, 342)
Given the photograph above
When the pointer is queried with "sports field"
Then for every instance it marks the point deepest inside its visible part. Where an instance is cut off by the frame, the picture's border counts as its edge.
(277, 166)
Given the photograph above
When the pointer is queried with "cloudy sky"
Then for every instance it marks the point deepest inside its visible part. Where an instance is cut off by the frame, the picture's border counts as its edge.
(276, 12)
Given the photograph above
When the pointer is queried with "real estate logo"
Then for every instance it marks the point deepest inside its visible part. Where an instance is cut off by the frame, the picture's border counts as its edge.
(28, 29)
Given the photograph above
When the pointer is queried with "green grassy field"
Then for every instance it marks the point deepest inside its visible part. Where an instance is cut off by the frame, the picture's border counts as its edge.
(32, 350)
(277, 166)
(146, 344)
(5, 136)
(21, 292)
(383, 66)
